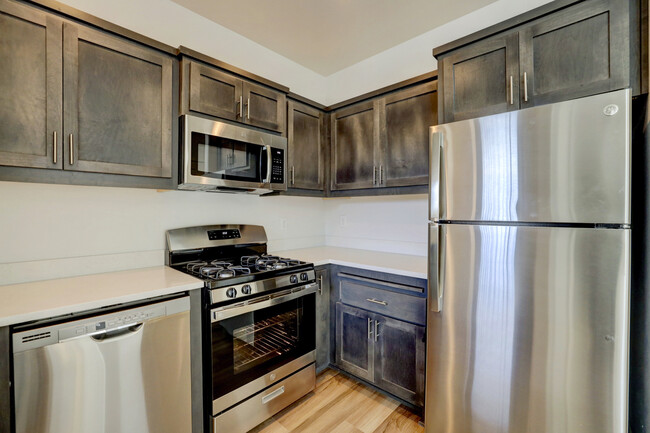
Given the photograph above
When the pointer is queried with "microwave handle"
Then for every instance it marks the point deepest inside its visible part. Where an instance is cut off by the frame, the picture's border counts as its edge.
(269, 164)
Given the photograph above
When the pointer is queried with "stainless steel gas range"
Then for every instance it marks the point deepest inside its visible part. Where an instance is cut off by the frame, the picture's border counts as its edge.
(258, 322)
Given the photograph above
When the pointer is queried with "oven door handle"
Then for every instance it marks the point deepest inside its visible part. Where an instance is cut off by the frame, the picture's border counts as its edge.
(222, 313)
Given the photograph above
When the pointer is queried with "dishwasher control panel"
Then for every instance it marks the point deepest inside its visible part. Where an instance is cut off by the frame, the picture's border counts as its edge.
(97, 325)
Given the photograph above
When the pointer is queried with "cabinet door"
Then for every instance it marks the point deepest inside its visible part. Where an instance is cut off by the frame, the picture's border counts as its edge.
(400, 358)
(215, 93)
(323, 319)
(304, 133)
(117, 105)
(354, 344)
(30, 87)
(580, 51)
(264, 107)
(405, 120)
(355, 133)
(481, 79)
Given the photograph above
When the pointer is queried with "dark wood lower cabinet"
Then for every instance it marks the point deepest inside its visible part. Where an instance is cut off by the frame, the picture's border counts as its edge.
(322, 319)
(387, 352)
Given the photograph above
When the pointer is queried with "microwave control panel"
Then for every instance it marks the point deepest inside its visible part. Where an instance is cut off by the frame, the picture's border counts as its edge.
(277, 165)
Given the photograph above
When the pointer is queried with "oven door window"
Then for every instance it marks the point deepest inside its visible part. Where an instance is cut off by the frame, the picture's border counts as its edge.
(223, 158)
(253, 344)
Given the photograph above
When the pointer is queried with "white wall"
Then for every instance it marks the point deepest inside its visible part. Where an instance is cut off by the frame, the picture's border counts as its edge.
(414, 57)
(52, 231)
(396, 224)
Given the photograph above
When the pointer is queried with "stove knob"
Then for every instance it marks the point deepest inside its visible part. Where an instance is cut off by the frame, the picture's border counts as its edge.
(246, 290)
(293, 279)
(303, 276)
(231, 292)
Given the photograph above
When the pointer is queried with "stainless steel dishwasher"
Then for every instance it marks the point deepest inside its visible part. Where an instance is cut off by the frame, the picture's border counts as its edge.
(121, 372)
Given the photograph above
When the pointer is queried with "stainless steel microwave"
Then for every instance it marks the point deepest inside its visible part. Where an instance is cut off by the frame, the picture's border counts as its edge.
(218, 156)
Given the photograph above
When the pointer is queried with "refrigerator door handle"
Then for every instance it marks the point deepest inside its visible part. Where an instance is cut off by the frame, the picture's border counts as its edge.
(435, 293)
(435, 150)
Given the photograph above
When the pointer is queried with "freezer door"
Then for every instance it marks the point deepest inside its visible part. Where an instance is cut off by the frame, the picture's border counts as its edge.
(533, 331)
(561, 163)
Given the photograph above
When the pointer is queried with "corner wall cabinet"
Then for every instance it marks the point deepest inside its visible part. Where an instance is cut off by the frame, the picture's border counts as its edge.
(581, 50)
(380, 331)
(306, 144)
(71, 98)
(384, 142)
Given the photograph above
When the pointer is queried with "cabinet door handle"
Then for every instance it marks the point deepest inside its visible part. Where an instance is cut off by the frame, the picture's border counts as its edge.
(71, 150)
(293, 177)
(376, 330)
(374, 175)
(55, 147)
(381, 175)
(320, 285)
(248, 108)
(369, 328)
(512, 93)
(241, 107)
(525, 87)
(375, 301)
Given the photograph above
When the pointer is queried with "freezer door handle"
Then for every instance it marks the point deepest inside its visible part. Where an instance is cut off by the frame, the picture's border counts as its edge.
(434, 269)
(435, 150)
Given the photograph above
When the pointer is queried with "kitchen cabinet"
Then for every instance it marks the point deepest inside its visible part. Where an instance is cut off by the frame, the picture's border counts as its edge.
(72, 99)
(577, 51)
(380, 330)
(384, 142)
(322, 318)
(220, 94)
(306, 146)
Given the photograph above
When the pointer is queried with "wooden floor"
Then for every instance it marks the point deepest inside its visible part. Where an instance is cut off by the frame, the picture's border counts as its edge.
(342, 405)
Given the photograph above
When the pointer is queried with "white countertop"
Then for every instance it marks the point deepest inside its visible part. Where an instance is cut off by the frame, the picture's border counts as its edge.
(400, 264)
(43, 299)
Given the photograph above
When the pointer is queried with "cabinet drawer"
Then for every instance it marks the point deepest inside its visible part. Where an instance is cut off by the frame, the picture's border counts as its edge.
(367, 293)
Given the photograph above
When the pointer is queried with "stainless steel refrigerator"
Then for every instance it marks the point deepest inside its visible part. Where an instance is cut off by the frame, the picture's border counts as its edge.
(529, 270)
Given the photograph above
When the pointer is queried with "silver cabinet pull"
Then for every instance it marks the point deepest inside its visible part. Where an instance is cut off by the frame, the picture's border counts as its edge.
(55, 146)
(241, 107)
(369, 328)
(375, 301)
(71, 150)
(320, 285)
(270, 396)
(293, 177)
(248, 108)
(525, 87)
(512, 94)
(381, 175)
(374, 175)
(376, 330)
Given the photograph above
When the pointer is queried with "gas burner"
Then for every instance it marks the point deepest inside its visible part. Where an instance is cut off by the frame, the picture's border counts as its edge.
(210, 271)
(195, 266)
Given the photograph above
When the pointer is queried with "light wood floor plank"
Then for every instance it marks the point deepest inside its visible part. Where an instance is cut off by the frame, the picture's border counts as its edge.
(342, 405)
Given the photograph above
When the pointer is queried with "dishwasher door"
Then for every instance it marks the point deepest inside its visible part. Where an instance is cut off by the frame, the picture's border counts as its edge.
(124, 372)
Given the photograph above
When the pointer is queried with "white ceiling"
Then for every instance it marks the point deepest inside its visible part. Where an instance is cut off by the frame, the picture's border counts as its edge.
(329, 35)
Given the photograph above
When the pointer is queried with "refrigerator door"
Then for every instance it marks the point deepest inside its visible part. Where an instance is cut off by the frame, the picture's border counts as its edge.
(561, 163)
(533, 331)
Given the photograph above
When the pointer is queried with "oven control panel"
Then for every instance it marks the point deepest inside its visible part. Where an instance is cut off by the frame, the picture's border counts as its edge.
(256, 287)
(218, 235)
(277, 165)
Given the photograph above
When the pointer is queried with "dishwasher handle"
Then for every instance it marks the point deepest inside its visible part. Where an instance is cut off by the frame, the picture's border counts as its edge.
(116, 333)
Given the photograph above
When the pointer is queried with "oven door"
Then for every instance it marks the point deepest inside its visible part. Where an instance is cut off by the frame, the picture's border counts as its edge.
(273, 334)
(219, 155)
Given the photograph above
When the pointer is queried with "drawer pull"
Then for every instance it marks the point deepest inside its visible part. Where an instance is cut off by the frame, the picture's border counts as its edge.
(268, 397)
(377, 302)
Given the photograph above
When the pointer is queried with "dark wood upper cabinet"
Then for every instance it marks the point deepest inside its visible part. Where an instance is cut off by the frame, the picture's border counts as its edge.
(576, 51)
(264, 108)
(30, 87)
(220, 94)
(481, 79)
(118, 105)
(215, 93)
(306, 153)
(405, 120)
(579, 52)
(355, 135)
